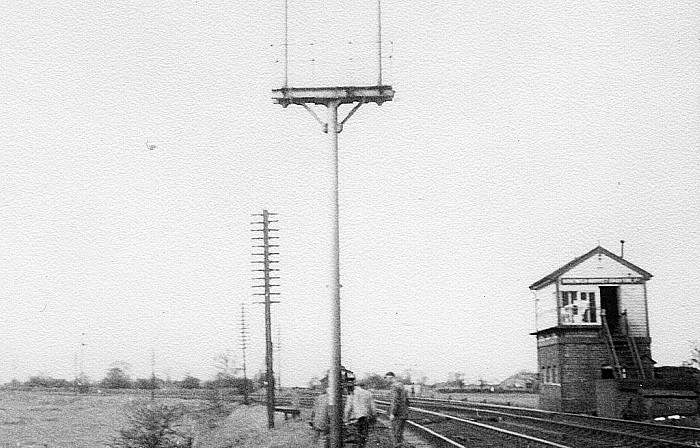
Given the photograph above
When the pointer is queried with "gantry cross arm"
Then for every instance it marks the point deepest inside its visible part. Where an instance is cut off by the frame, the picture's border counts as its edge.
(334, 96)
(327, 95)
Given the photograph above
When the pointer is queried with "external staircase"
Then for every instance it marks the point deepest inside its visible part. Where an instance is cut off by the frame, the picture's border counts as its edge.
(622, 350)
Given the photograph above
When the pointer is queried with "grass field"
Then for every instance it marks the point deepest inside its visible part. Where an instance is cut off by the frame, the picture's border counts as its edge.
(31, 419)
(35, 419)
(43, 420)
(39, 419)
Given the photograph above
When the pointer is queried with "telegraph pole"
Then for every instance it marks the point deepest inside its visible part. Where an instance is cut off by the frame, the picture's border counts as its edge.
(266, 270)
(153, 373)
(244, 345)
(75, 366)
(82, 354)
(82, 364)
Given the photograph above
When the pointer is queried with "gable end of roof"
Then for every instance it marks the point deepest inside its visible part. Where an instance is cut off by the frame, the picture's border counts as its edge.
(551, 278)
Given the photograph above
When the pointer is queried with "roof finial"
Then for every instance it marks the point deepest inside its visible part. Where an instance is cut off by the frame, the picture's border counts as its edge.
(622, 248)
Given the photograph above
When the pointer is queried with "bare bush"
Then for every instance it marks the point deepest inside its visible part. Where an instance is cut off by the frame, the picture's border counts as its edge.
(153, 425)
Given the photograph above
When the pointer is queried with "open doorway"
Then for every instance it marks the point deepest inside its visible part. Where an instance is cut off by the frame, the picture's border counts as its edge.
(607, 372)
(609, 302)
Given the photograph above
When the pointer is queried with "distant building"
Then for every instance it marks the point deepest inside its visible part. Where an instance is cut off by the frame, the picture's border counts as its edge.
(521, 380)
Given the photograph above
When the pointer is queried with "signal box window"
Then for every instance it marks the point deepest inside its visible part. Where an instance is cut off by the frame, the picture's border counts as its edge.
(578, 307)
(590, 312)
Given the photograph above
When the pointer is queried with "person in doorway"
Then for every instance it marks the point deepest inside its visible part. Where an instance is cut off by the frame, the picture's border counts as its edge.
(398, 408)
(321, 421)
(361, 410)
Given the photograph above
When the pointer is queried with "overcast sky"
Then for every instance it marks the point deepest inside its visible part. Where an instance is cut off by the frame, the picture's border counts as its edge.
(520, 137)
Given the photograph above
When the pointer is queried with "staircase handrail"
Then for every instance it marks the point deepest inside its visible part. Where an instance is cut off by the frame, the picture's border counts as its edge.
(633, 347)
(617, 369)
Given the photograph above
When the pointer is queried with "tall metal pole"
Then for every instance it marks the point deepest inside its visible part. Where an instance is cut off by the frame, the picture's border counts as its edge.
(332, 98)
(334, 384)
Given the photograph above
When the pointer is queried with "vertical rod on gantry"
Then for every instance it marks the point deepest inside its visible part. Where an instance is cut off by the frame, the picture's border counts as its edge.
(286, 43)
(379, 41)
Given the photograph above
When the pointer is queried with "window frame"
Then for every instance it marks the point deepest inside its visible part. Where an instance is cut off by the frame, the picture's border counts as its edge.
(576, 309)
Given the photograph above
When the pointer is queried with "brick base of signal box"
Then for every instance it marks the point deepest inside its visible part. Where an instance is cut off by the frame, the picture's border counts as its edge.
(577, 356)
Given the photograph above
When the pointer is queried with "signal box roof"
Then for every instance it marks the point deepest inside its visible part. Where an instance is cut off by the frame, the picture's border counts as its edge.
(551, 278)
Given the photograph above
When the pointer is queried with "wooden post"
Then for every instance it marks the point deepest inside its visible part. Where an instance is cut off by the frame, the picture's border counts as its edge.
(267, 293)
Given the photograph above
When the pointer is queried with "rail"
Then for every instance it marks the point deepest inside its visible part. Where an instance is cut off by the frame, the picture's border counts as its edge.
(567, 425)
(453, 431)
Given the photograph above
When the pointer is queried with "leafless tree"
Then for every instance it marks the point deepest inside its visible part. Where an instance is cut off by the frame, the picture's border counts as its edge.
(694, 360)
(225, 364)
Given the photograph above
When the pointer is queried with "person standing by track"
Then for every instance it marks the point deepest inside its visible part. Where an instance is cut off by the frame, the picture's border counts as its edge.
(361, 410)
(321, 421)
(398, 408)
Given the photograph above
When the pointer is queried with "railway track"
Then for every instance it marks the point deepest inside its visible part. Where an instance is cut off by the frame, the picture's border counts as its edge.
(447, 430)
(450, 431)
(567, 429)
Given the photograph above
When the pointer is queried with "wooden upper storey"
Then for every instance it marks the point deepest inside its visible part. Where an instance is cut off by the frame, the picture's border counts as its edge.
(575, 294)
